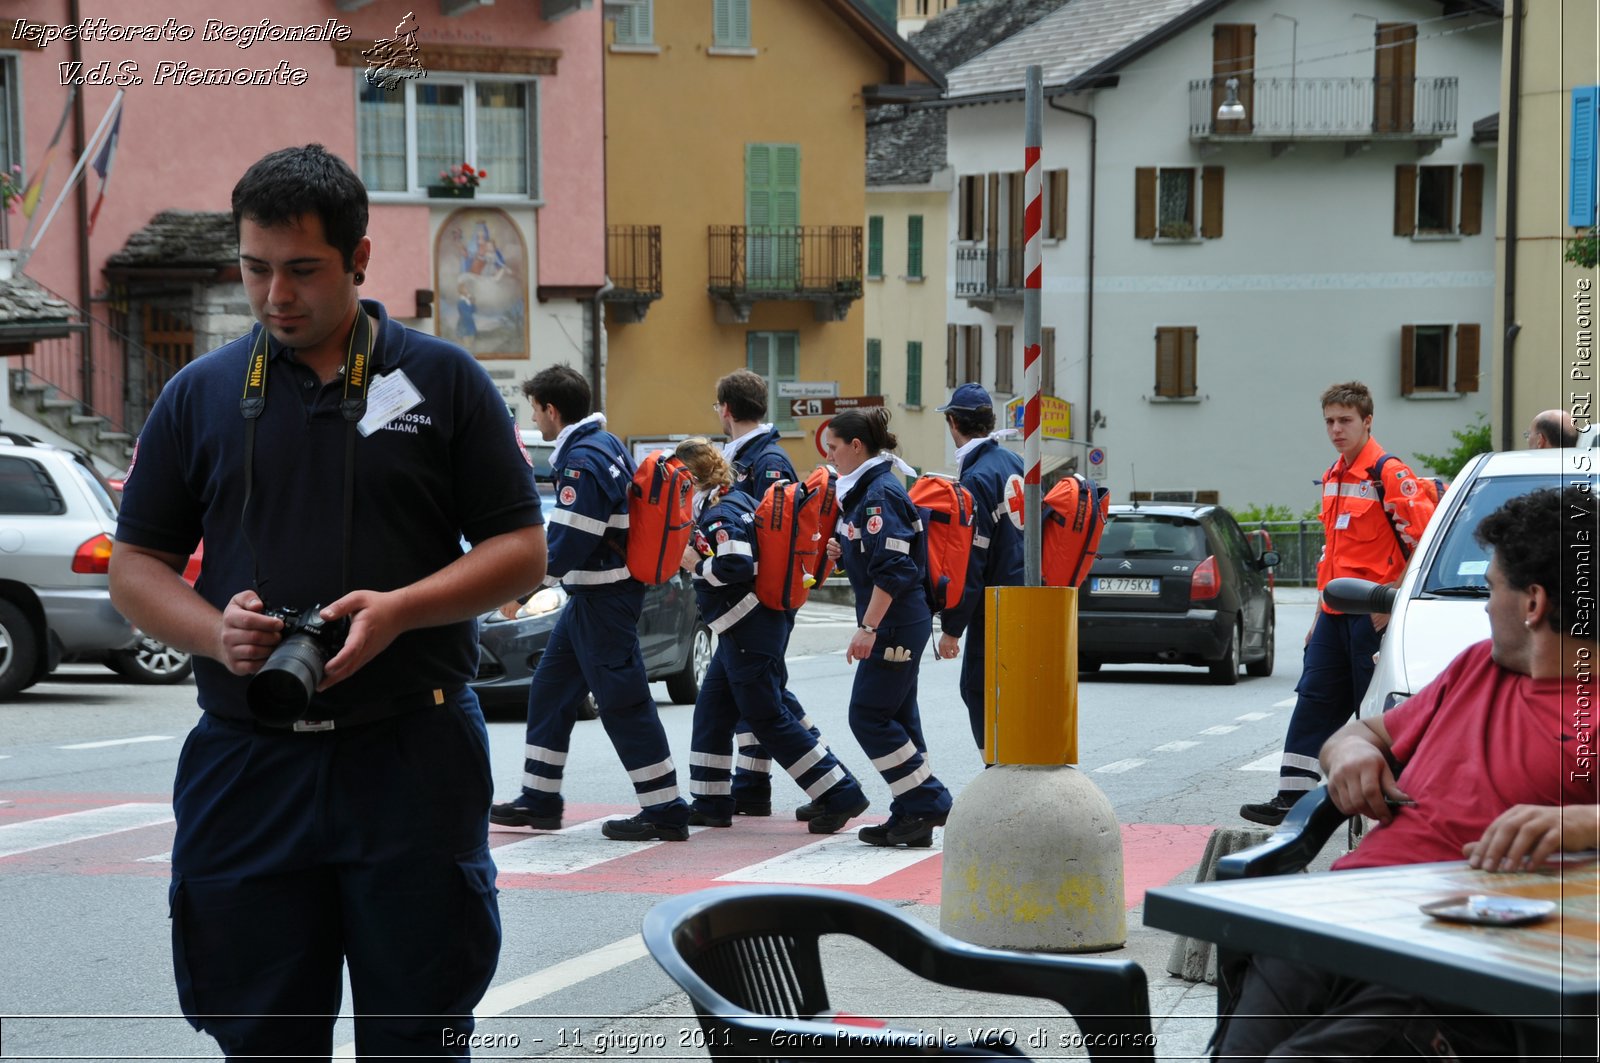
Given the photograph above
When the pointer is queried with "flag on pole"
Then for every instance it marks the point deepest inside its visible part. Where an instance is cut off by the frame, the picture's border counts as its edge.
(30, 194)
(102, 163)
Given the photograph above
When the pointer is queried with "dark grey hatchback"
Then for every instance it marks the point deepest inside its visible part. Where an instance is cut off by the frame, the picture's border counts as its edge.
(1178, 584)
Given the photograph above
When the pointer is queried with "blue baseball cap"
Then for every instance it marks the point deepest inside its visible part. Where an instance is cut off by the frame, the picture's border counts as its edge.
(967, 397)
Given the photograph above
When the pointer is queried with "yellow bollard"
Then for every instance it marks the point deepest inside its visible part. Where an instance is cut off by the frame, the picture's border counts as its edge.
(1032, 848)
(1030, 710)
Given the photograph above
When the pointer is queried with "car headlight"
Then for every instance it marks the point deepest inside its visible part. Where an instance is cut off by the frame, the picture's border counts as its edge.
(543, 602)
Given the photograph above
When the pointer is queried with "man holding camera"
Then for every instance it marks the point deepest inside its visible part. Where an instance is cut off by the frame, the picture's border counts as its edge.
(332, 800)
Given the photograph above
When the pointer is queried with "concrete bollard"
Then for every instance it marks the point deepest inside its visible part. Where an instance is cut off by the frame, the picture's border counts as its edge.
(1033, 860)
(1191, 959)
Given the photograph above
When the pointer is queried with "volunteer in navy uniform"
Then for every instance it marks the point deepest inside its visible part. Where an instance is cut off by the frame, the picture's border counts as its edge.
(595, 643)
(994, 476)
(758, 462)
(744, 681)
(881, 547)
(332, 460)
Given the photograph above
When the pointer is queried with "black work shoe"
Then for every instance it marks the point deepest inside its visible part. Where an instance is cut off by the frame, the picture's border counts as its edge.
(746, 807)
(911, 832)
(825, 822)
(511, 814)
(639, 829)
(698, 818)
(809, 811)
(1267, 813)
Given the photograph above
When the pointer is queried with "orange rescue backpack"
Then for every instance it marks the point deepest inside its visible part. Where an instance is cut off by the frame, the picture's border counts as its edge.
(1074, 516)
(660, 517)
(947, 525)
(793, 524)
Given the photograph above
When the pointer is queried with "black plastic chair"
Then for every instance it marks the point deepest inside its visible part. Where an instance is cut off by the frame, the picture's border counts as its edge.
(1295, 843)
(748, 958)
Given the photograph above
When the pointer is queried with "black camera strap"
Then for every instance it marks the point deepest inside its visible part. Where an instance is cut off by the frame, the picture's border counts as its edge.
(357, 372)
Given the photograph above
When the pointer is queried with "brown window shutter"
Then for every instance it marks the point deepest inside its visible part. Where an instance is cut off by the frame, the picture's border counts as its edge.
(1211, 202)
(964, 209)
(1019, 205)
(993, 229)
(1047, 361)
(1408, 359)
(1057, 228)
(1466, 358)
(1144, 203)
(950, 380)
(1186, 357)
(1167, 368)
(1004, 372)
(1405, 200)
(1471, 199)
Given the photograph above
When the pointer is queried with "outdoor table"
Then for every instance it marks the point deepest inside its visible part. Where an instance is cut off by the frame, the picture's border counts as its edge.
(1366, 924)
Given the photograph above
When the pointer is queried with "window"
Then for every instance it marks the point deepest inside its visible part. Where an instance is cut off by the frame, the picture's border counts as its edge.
(636, 24)
(874, 367)
(776, 356)
(1004, 379)
(914, 247)
(914, 373)
(730, 22)
(1426, 201)
(1175, 361)
(1581, 178)
(963, 360)
(1055, 207)
(10, 112)
(1426, 359)
(875, 246)
(1170, 201)
(408, 135)
(970, 204)
(26, 489)
(1047, 360)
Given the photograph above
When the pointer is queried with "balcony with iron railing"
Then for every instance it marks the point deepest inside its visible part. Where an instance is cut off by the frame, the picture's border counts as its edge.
(984, 274)
(1355, 110)
(818, 264)
(633, 265)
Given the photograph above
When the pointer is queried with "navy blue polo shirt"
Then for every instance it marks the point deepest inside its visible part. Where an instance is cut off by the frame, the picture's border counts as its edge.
(451, 467)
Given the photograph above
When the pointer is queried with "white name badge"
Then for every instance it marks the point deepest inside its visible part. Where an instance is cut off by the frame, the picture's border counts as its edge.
(1342, 523)
(391, 395)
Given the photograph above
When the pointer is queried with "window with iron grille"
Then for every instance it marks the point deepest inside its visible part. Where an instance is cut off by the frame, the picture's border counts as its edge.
(1177, 202)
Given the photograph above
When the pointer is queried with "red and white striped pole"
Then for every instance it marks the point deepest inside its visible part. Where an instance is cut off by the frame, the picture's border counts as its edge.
(1033, 272)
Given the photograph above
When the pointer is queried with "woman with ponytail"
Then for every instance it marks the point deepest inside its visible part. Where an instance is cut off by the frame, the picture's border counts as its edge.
(881, 547)
(745, 677)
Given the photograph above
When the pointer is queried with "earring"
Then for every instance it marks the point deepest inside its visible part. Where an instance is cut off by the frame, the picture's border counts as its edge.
(360, 276)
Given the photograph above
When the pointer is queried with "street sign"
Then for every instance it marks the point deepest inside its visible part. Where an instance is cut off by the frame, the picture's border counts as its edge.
(807, 389)
(827, 407)
(821, 428)
(1055, 416)
(1097, 457)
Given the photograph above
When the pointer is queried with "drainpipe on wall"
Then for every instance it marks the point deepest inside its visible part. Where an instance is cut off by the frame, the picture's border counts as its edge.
(1088, 343)
(1513, 129)
(86, 367)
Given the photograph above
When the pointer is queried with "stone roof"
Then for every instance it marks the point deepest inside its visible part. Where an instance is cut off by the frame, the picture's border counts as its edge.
(24, 303)
(905, 145)
(182, 238)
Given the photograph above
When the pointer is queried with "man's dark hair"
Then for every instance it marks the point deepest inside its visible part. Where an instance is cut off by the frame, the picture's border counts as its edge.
(972, 423)
(564, 388)
(1557, 431)
(745, 392)
(1523, 534)
(292, 182)
(1351, 393)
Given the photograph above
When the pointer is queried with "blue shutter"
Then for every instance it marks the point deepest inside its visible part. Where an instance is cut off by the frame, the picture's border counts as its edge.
(1581, 185)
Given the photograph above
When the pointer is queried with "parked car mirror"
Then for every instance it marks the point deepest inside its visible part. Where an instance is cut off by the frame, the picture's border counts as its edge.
(1350, 595)
(1268, 559)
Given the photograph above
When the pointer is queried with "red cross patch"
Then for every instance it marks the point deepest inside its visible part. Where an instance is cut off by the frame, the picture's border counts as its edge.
(722, 537)
(874, 525)
(1013, 497)
(569, 495)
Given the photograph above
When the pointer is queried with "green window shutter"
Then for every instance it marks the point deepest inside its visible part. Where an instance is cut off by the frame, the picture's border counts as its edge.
(914, 246)
(636, 24)
(730, 23)
(786, 184)
(874, 367)
(875, 249)
(914, 373)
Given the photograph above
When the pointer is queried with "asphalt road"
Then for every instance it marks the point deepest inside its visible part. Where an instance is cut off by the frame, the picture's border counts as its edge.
(86, 764)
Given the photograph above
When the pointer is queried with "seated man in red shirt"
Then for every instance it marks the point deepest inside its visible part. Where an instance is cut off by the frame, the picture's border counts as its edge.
(1489, 761)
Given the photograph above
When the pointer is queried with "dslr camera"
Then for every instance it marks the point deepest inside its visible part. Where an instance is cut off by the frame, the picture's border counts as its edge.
(281, 691)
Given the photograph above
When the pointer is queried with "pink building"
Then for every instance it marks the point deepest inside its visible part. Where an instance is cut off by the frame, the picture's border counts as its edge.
(512, 273)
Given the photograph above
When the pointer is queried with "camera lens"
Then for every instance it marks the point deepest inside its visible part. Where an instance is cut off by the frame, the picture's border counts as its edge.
(280, 693)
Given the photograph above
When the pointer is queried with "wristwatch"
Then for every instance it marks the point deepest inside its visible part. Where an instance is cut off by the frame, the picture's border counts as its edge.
(869, 629)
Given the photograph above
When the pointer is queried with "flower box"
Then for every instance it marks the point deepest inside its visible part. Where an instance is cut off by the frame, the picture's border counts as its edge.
(451, 191)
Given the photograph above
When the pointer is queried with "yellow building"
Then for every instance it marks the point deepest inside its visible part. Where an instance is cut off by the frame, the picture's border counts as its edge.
(735, 154)
(1547, 347)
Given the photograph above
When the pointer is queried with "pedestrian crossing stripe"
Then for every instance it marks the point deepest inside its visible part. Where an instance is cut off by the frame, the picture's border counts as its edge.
(32, 834)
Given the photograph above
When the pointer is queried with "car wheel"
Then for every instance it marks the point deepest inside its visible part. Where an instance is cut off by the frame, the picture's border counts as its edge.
(1225, 672)
(684, 687)
(150, 661)
(1263, 667)
(19, 643)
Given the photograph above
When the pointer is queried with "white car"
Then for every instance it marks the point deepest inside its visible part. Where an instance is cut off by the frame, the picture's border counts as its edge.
(1439, 606)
